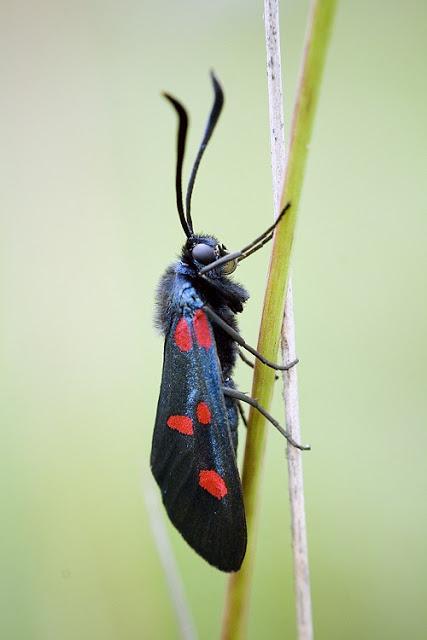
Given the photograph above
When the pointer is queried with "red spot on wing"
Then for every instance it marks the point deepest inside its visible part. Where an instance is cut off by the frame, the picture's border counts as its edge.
(201, 328)
(182, 335)
(203, 413)
(183, 424)
(212, 482)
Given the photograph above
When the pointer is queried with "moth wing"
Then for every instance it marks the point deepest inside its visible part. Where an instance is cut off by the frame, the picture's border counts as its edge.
(192, 455)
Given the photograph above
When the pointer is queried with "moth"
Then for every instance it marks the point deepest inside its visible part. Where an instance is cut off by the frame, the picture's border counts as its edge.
(193, 456)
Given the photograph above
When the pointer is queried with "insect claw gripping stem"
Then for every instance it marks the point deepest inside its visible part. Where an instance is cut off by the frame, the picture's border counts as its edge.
(235, 335)
(249, 363)
(238, 395)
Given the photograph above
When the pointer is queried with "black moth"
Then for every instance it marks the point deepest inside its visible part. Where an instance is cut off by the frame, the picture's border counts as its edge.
(193, 455)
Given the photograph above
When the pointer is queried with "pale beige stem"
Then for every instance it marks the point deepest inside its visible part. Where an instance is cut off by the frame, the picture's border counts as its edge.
(317, 39)
(295, 481)
(290, 378)
(186, 626)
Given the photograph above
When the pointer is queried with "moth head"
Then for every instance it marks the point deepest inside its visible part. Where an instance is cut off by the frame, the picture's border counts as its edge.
(204, 253)
(200, 251)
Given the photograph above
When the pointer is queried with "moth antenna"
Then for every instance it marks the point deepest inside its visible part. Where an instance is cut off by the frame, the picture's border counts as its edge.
(180, 152)
(210, 126)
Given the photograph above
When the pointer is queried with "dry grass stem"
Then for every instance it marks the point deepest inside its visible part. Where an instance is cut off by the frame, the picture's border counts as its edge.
(317, 38)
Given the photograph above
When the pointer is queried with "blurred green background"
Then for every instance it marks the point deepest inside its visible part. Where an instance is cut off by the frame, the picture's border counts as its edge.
(88, 223)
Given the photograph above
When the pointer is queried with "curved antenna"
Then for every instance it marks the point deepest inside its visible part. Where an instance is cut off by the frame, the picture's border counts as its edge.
(180, 151)
(210, 126)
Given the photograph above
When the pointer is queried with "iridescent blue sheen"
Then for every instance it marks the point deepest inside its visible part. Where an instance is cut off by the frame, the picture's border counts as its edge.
(215, 528)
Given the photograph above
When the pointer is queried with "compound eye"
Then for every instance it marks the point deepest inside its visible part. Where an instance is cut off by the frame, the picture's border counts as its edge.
(203, 253)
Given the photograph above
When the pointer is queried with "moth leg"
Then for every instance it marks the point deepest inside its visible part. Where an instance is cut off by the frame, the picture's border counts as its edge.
(250, 248)
(214, 317)
(246, 360)
(259, 245)
(232, 413)
(238, 395)
(249, 362)
(264, 237)
(242, 413)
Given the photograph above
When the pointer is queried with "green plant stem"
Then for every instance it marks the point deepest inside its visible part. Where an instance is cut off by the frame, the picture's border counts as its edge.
(317, 38)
